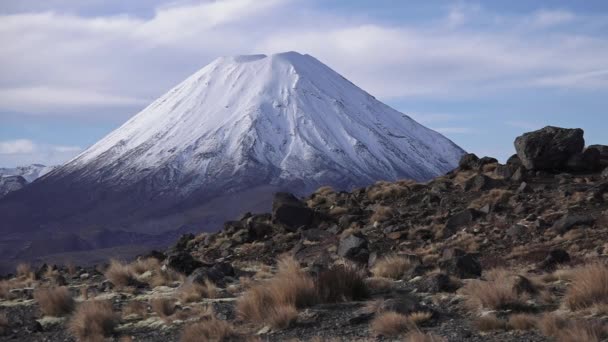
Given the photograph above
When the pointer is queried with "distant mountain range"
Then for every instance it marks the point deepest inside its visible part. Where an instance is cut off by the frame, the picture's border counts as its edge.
(218, 144)
(13, 179)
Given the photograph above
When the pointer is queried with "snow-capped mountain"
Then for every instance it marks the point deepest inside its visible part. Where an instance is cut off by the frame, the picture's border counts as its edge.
(286, 117)
(30, 173)
(217, 145)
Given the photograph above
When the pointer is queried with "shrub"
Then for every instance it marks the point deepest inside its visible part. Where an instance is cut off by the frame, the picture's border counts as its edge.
(291, 287)
(4, 324)
(489, 323)
(589, 287)
(24, 271)
(54, 301)
(93, 320)
(341, 283)
(119, 275)
(212, 330)
(393, 266)
(564, 330)
(391, 324)
(193, 292)
(522, 322)
(385, 190)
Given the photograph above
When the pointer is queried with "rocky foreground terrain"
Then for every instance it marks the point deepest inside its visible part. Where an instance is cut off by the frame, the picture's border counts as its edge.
(488, 252)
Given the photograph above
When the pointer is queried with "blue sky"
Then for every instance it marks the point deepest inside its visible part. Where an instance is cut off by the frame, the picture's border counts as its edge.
(479, 72)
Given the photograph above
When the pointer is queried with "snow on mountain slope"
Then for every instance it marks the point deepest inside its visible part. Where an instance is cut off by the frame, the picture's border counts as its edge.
(287, 116)
(29, 173)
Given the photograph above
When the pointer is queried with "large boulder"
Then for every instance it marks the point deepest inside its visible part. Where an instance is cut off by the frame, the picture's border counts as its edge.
(459, 263)
(468, 162)
(182, 262)
(290, 212)
(214, 273)
(603, 149)
(549, 148)
(589, 160)
(354, 247)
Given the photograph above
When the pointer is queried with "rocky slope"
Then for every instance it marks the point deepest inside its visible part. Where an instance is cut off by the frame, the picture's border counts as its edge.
(13, 179)
(488, 252)
(242, 127)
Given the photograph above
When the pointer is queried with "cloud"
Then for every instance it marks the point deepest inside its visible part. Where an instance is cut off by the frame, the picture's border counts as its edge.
(65, 62)
(24, 152)
(525, 125)
(455, 130)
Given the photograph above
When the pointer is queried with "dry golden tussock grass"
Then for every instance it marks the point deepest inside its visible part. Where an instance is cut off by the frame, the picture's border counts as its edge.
(135, 308)
(589, 287)
(494, 197)
(391, 324)
(386, 190)
(522, 322)
(392, 266)
(54, 301)
(338, 211)
(194, 292)
(489, 323)
(24, 270)
(119, 274)
(4, 324)
(290, 287)
(382, 213)
(341, 283)
(422, 337)
(211, 330)
(571, 330)
(92, 321)
(497, 293)
(379, 284)
(163, 307)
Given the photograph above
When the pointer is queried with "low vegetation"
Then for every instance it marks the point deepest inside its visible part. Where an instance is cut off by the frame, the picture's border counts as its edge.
(589, 287)
(54, 301)
(93, 320)
(392, 266)
(211, 330)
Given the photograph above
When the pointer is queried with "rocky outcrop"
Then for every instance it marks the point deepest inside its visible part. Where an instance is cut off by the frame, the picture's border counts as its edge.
(549, 148)
(10, 184)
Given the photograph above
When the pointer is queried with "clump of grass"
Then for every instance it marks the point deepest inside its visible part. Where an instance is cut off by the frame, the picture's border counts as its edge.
(392, 266)
(489, 323)
(291, 287)
(54, 301)
(4, 324)
(391, 324)
(569, 330)
(194, 292)
(135, 308)
(211, 330)
(494, 197)
(382, 213)
(119, 274)
(24, 270)
(589, 287)
(164, 307)
(341, 283)
(497, 293)
(379, 284)
(522, 322)
(386, 190)
(422, 337)
(93, 321)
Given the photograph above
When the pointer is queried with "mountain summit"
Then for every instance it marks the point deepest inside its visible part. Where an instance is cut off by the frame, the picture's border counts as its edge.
(239, 127)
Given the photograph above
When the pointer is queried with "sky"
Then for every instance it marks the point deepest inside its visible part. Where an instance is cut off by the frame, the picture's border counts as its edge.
(480, 72)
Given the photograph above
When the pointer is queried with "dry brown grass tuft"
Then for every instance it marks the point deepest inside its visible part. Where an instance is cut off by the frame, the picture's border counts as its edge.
(135, 308)
(392, 266)
(386, 190)
(522, 322)
(194, 292)
(211, 330)
(338, 211)
(119, 274)
(291, 287)
(24, 270)
(382, 213)
(489, 323)
(568, 330)
(92, 321)
(422, 337)
(341, 283)
(54, 301)
(5, 289)
(391, 324)
(494, 197)
(551, 324)
(164, 307)
(496, 294)
(420, 317)
(379, 284)
(140, 266)
(589, 287)
(4, 324)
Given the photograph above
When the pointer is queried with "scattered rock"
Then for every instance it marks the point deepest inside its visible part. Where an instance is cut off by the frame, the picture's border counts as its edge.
(468, 162)
(524, 188)
(438, 282)
(554, 258)
(481, 183)
(461, 264)
(459, 220)
(183, 262)
(549, 148)
(290, 212)
(215, 273)
(354, 247)
(569, 221)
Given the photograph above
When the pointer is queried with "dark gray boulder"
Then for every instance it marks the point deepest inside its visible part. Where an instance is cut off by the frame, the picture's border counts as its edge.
(570, 220)
(549, 148)
(182, 262)
(482, 183)
(468, 162)
(459, 263)
(603, 149)
(354, 247)
(589, 160)
(290, 212)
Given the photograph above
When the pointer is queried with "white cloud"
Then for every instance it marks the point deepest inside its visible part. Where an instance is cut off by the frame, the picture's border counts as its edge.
(18, 146)
(65, 63)
(24, 152)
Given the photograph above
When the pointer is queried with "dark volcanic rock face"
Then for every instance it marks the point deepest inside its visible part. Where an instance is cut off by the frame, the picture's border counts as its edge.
(549, 148)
